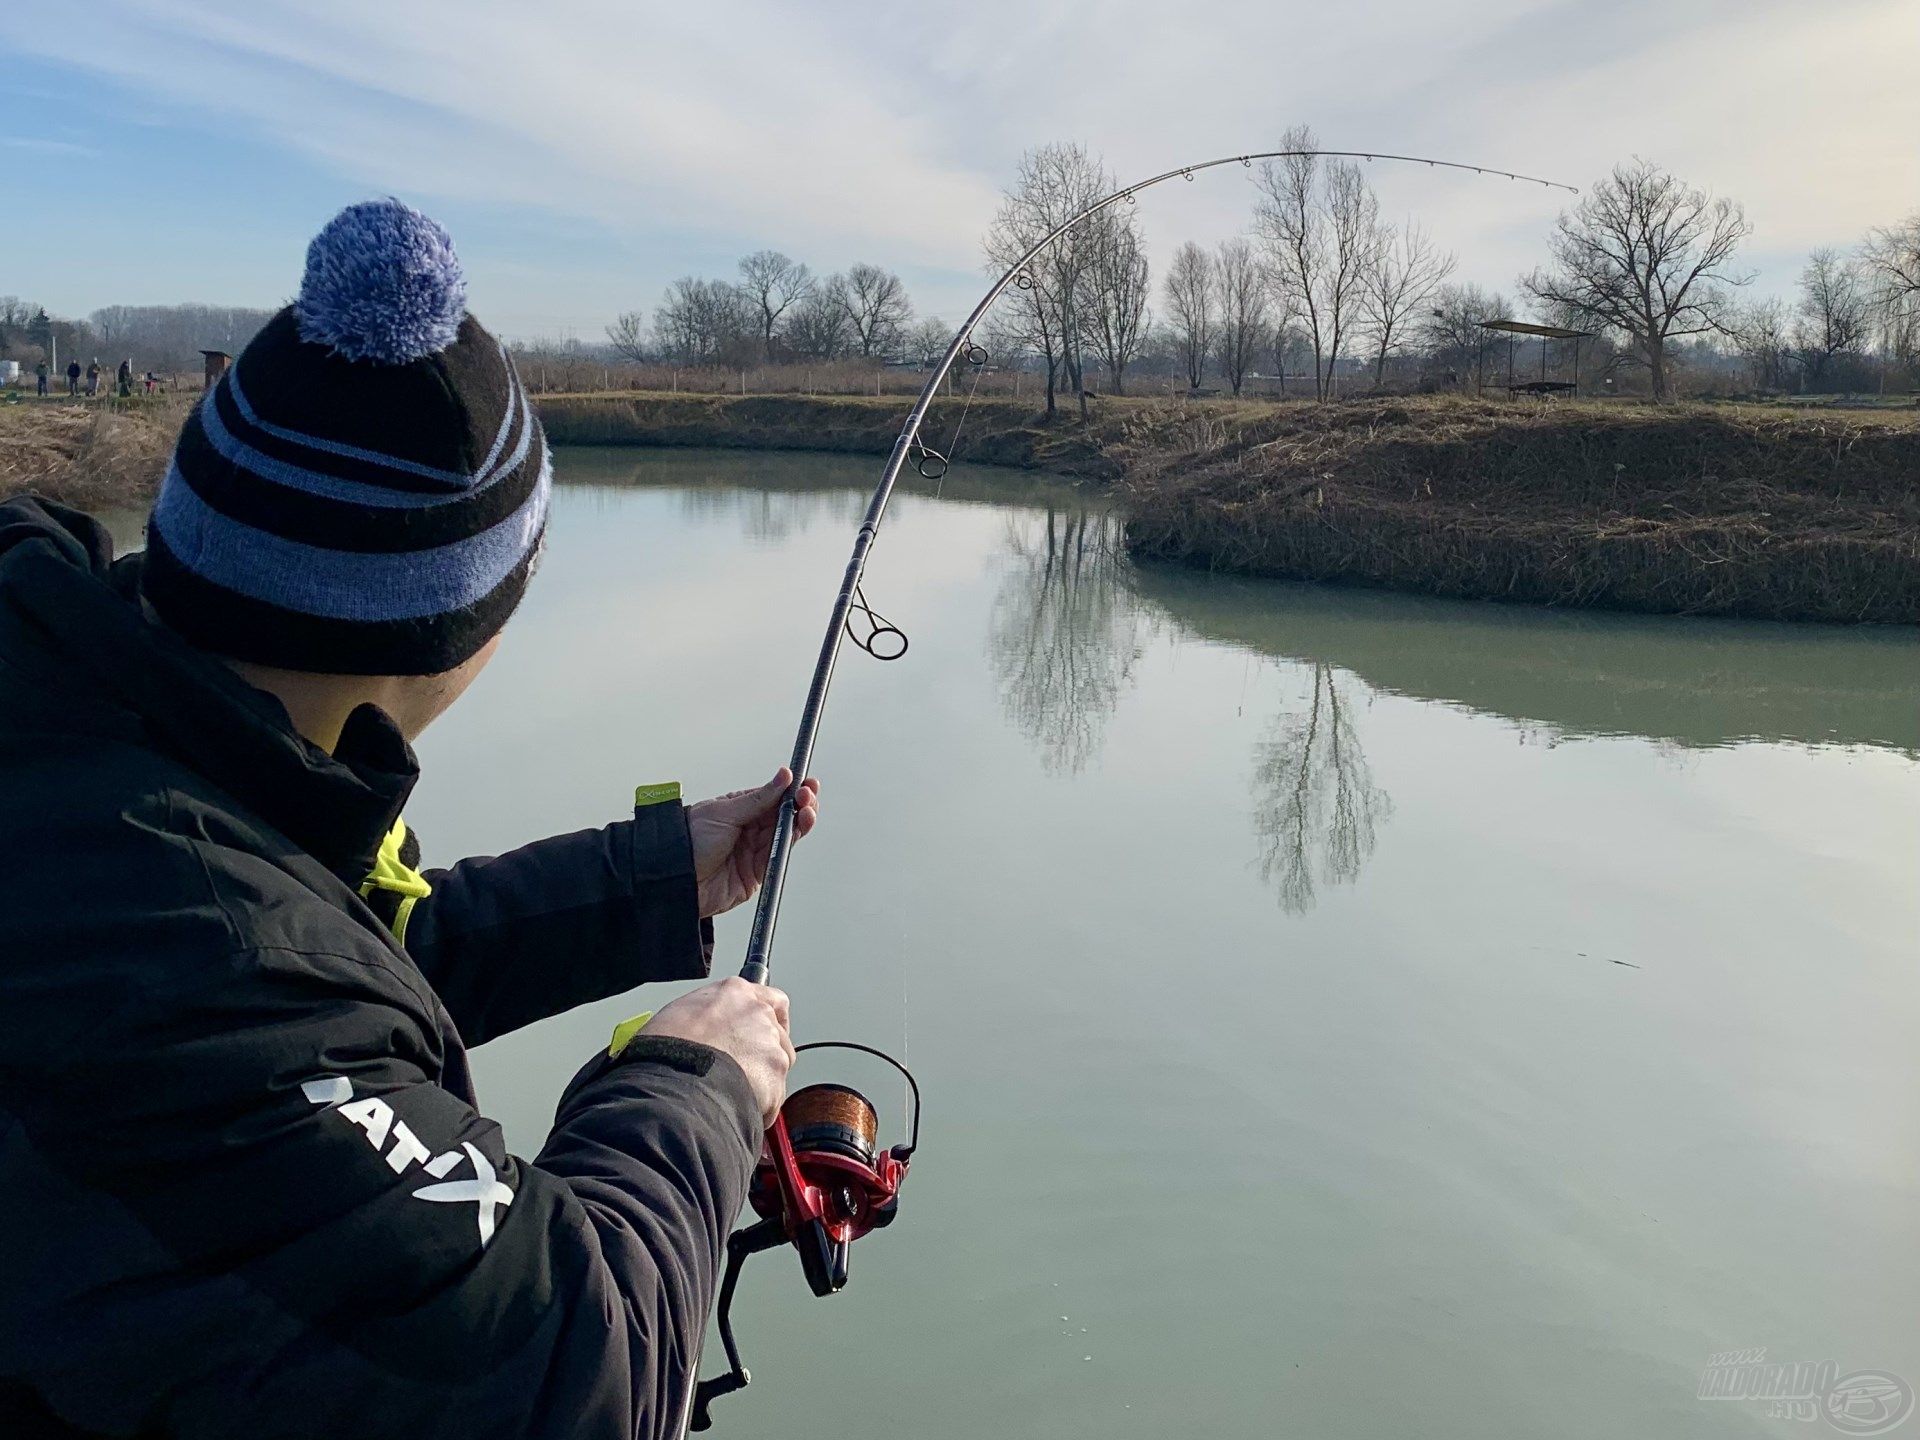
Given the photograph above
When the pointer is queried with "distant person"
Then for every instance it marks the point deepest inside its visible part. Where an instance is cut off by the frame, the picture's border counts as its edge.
(152, 380)
(40, 374)
(93, 379)
(246, 1188)
(125, 378)
(73, 377)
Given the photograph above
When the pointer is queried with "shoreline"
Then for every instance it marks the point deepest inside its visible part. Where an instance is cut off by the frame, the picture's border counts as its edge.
(1747, 512)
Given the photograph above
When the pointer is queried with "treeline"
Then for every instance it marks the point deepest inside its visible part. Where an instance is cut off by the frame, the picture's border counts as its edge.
(1321, 295)
(778, 310)
(163, 338)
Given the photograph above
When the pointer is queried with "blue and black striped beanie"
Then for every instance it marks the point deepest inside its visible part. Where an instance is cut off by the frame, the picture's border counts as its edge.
(365, 491)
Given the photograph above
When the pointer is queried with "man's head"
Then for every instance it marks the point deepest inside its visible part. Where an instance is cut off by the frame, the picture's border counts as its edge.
(364, 493)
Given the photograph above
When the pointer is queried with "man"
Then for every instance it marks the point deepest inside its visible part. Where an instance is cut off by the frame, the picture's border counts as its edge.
(125, 378)
(73, 378)
(40, 373)
(93, 378)
(244, 1186)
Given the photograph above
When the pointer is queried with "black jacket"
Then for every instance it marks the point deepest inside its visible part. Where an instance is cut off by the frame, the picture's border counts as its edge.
(244, 1188)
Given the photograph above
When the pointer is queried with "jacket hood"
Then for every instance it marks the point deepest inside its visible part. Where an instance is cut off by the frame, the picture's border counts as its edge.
(78, 653)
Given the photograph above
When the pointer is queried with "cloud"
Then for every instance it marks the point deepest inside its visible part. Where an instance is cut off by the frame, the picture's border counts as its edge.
(40, 146)
(852, 129)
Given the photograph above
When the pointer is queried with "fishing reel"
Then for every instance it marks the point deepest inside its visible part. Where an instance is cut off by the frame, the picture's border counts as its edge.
(822, 1182)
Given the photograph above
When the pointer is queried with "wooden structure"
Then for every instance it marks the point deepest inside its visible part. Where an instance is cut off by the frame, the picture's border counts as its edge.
(1513, 329)
(217, 363)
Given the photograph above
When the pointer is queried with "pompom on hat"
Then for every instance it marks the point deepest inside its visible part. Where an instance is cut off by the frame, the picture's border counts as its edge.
(365, 491)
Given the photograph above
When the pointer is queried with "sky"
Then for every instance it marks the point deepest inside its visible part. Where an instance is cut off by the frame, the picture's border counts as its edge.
(584, 153)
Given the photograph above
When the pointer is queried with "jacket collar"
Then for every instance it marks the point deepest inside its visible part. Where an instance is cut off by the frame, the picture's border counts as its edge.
(86, 611)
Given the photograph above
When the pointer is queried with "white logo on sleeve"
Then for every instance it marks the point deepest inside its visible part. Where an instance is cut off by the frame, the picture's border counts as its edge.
(376, 1120)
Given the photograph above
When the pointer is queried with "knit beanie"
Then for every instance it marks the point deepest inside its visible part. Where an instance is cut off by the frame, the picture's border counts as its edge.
(364, 492)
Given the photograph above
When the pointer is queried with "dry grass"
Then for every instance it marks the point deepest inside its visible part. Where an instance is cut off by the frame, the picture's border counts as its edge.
(1699, 510)
(89, 454)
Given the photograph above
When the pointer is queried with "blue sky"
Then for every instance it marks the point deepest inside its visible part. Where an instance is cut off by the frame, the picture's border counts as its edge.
(585, 154)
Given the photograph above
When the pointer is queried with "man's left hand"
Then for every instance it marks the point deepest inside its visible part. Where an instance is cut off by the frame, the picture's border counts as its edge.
(733, 834)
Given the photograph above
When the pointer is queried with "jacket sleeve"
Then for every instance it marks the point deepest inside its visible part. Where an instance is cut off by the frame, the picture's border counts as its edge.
(273, 1221)
(512, 939)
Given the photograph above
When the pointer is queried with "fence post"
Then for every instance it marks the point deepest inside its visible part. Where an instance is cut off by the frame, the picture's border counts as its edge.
(743, 382)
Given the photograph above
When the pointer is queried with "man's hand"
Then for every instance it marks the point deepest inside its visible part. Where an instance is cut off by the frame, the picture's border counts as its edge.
(733, 834)
(746, 1021)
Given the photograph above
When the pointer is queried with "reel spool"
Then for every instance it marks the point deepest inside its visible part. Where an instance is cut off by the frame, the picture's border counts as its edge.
(823, 1181)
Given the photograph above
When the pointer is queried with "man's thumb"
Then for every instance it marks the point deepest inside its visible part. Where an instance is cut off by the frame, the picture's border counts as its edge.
(745, 804)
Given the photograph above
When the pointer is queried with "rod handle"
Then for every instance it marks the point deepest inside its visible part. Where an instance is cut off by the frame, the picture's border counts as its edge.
(754, 972)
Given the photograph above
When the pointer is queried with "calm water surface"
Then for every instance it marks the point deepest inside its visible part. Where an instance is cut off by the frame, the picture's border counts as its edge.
(1340, 1014)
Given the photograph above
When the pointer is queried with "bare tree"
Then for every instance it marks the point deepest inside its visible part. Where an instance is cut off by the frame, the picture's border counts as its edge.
(1292, 232)
(1353, 234)
(1241, 299)
(1054, 183)
(877, 308)
(1189, 296)
(928, 340)
(628, 334)
(1405, 270)
(1319, 225)
(821, 325)
(1834, 314)
(1892, 256)
(703, 322)
(1648, 256)
(772, 284)
(1116, 315)
(1891, 261)
(1451, 327)
(1761, 335)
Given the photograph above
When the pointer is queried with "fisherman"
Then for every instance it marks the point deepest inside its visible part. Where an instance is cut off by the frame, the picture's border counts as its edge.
(40, 373)
(73, 377)
(245, 1185)
(124, 377)
(93, 379)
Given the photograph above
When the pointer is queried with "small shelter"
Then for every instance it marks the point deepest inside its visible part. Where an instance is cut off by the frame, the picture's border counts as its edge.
(1546, 334)
(217, 363)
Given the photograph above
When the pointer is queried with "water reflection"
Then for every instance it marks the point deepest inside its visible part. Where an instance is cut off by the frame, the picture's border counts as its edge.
(1315, 803)
(1688, 684)
(1065, 634)
(1071, 619)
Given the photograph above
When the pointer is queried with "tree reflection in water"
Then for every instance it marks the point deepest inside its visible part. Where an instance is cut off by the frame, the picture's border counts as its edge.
(1315, 803)
(1065, 634)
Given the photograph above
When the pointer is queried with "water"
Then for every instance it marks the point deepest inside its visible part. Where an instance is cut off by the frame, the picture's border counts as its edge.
(1340, 1014)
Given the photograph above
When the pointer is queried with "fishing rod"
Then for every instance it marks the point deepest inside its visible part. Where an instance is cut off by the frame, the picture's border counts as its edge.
(822, 1181)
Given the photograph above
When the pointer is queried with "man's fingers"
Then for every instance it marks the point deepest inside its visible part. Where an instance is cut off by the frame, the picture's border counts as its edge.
(781, 1006)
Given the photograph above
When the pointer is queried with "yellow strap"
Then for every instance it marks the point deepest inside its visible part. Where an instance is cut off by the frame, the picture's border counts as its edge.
(645, 795)
(624, 1032)
(393, 874)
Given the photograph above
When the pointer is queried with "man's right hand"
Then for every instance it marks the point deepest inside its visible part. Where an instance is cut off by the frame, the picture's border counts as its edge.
(741, 1019)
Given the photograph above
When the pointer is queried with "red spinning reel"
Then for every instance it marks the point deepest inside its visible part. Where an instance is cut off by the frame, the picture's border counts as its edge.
(821, 1184)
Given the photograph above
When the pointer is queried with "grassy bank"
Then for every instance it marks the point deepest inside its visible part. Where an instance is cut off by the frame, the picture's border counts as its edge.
(1722, 510)
(1700, 510)
(994, 431)
(94, 454)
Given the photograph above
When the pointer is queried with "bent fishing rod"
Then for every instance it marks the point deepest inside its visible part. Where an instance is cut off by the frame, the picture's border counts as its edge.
(823, 1181)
